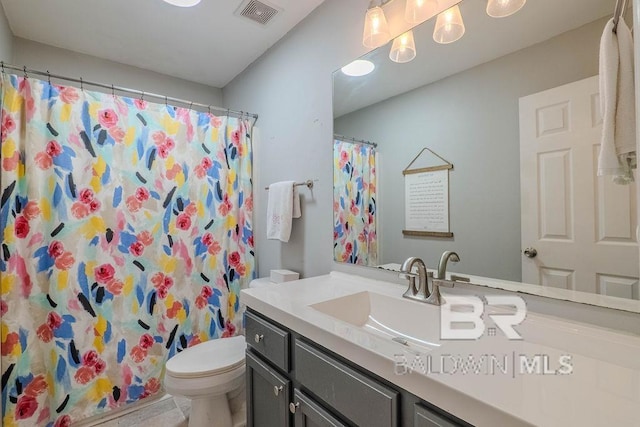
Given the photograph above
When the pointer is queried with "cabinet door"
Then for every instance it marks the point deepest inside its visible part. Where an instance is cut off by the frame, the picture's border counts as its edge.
(267, 395)
(424, 417)
(310, 414)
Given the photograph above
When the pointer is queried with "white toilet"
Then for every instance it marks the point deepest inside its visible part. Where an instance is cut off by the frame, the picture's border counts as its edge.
(211, 374)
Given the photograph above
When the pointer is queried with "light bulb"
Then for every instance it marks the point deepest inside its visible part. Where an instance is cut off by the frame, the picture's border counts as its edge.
(376, 30)
(417, 11)
(183, 3)
(503, 8)
(403, 48)
(449, 26)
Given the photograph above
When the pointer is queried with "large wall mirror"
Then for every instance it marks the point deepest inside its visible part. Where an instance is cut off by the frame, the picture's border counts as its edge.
(514, 106)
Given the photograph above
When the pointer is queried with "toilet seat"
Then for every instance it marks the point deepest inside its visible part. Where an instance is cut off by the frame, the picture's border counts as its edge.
(214, 357)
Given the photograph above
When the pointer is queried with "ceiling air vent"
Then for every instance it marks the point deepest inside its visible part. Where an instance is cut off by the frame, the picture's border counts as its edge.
(258, 11)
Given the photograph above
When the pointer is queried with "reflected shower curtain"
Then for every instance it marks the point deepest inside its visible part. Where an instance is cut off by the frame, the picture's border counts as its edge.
(126, 235)
(354, 203)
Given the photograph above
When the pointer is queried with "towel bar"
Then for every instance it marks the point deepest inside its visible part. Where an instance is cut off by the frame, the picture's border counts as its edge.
(308, 183)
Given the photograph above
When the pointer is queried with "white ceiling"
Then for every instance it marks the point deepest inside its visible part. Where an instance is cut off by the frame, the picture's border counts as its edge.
(206, 44)
(485, 39)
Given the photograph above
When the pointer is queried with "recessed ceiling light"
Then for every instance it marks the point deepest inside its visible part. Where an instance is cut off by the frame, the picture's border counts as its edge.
(359, 67)
(183, 3)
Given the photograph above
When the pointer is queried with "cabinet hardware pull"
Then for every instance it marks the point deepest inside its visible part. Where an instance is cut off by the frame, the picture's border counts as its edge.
(277, 389)
(258, 337)
(293, 407)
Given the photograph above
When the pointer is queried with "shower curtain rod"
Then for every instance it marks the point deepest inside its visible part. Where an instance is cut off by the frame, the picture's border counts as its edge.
(113, 88)
(350, 139)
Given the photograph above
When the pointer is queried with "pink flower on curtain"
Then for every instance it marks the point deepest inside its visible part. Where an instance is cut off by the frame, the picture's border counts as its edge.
(21, 227)
(146, 341)
(26, 407)
(36, 387)
(90, 358)
(107, 118)
(63, 421)
(68, 95)
(31, 210)
(145, 238)
(86, 195)
(43, 160)
(142, 194)
(104, 273)
(183, 222)
(84, 374)
(79, 210)
(53, 149)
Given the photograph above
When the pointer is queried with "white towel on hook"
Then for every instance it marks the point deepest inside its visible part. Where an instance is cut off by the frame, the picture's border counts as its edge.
(281, 210)
(617, 101)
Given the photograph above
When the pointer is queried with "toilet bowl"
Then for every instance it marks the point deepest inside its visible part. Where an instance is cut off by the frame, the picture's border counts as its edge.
(211, 374)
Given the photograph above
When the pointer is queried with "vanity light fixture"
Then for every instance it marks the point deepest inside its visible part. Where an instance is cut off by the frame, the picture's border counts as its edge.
(449, 26)
(403, 48)
(417, 11)
(183, 3)
(504, 8)
(376, 30)
(358, 68)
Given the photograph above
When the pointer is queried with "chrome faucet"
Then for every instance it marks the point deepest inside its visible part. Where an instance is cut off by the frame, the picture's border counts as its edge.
(442, 265)
(421, 291)
(441, 281)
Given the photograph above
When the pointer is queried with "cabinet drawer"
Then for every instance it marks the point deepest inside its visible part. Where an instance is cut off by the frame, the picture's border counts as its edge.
(360, 399)
(268, 340)
(424, 417)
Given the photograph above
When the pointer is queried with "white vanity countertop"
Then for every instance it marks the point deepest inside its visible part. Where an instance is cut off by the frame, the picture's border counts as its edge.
(603, 388)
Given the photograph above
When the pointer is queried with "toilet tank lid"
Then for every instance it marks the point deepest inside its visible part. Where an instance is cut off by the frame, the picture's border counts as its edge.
(208, 358)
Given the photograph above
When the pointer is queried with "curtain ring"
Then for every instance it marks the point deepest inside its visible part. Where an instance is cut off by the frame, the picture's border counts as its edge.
(48, 77)
(190, 105)
(24, 69)
(166, 101)
(228, 111)
(81, 84)
(142, 96)
(113, 91)
(209, 109)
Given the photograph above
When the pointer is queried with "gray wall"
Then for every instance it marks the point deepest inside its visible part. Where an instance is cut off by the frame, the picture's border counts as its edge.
(6, 38)
(65, 62)
(290, 87)
(471, 119)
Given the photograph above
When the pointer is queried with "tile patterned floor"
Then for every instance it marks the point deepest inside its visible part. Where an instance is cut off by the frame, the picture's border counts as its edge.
(166, 412)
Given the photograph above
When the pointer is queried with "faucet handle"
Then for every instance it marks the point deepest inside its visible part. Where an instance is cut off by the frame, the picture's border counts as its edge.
(442, 283)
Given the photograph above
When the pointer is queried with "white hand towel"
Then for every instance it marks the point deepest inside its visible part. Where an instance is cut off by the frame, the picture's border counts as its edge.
(616, 98)
(280, 210)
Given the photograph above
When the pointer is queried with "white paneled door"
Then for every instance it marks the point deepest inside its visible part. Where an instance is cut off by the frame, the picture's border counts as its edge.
(578, 229)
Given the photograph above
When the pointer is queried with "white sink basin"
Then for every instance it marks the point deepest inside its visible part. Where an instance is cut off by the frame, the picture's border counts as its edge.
(411, 323)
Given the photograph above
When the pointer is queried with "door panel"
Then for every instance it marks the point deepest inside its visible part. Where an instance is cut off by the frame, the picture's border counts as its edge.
(582, 226)
(267, 395)
(311, 414)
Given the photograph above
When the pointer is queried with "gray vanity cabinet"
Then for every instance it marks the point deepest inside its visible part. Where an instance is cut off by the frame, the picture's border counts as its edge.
(308, 413)
(292, 381)
(267, 395)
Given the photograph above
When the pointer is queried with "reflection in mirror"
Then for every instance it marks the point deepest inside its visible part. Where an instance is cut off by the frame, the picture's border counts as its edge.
(514, 105)
(355, 238)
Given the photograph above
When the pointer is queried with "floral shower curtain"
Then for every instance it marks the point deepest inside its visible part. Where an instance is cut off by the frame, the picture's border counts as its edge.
(126, 237)
(354, 203)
